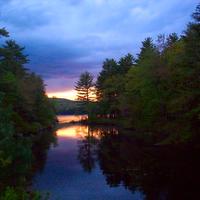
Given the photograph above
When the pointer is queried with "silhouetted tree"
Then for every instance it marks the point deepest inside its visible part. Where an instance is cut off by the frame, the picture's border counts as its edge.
(84, 87)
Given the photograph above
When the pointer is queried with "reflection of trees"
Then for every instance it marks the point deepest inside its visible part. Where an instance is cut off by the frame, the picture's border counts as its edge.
(40, 150)
(88, 144)
(159, 172)
(87, 150)
(19, 172)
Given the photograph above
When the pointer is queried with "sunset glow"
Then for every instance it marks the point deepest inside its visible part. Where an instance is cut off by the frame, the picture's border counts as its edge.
(72, 131)
(71, 94)
(71, 118)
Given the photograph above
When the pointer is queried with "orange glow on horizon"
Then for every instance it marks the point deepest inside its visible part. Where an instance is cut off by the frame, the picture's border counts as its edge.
(71, 94)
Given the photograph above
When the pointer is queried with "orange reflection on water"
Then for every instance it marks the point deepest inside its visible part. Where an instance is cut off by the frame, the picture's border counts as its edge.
(71, 118)
(72, 131)
(80, 131)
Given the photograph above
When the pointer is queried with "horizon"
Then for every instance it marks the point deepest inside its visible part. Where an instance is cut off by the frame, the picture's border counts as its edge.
(69, 95)
(61, 45)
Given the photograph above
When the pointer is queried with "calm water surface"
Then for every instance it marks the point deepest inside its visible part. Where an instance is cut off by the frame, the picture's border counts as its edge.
(71, 118)
(104, 163)
(72, 171)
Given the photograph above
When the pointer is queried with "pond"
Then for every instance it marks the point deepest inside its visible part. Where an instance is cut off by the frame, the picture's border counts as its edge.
(105, 163)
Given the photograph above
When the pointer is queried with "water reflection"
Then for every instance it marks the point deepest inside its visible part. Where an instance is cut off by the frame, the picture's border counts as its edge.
(40, 150)
(87, 148)
(158, 172)
(22, 171)
(63, 175)
(72, 131)
(71, 118)
(93, 162)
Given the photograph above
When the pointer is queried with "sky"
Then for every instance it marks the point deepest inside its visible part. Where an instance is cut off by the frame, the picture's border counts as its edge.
(64, 38)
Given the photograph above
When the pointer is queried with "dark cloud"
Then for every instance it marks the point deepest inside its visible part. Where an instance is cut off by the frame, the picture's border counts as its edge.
(66, 37)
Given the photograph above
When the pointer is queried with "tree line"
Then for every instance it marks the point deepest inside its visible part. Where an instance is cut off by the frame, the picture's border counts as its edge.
(25, 111)
(158, 90)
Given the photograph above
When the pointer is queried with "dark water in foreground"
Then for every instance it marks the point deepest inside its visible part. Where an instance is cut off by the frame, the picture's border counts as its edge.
(71, 174)
(100, 163)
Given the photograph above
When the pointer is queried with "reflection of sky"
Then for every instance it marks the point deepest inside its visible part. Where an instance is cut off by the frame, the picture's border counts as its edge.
(72, 131)
(70, 118)
(64, 177)
(65, 37)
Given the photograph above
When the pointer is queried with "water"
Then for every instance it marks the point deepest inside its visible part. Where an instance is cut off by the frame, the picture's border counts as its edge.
(71, 174)
(71, 118)
(104, 163)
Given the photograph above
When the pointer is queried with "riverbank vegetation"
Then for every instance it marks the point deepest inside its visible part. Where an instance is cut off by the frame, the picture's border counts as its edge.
(25, 112)
(158, 90)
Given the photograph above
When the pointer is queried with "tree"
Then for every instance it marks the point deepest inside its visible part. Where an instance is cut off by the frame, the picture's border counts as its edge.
(147, 50)
(192, 39)
(171, 39)
(4, 32)
(161, 92)
(109, 68)
(196, 14)
(110, 84)
(125, 63)
(13, 58)
(85, 87)
(24, 110)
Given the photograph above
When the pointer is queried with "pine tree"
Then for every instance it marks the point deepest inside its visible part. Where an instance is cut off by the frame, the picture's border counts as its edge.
(125, 63)
(84, 87)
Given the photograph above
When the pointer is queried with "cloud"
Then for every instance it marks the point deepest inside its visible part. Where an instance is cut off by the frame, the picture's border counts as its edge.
(65, 37)
(143, 13)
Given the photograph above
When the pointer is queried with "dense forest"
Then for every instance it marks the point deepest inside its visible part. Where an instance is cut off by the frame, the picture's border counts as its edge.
(157, 91)
(25, 112)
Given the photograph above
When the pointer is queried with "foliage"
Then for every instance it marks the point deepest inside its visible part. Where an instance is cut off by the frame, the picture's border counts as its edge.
(110, 84)
(25, 111)
(159, 90)
(84, 87)
(20, 194)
